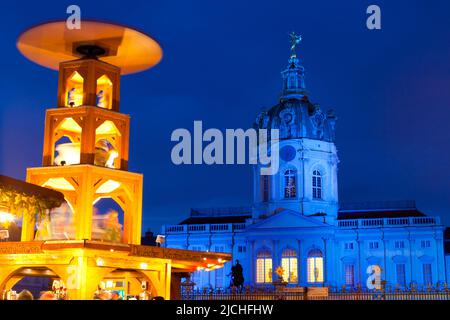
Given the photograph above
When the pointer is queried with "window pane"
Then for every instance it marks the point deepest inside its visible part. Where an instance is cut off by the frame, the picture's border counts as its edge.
(263, 270)
(268, 270)
(310, 266)
(259, 270)
(293, 270)
(285, 266)
(349, 275)
(401, 276)
(317, 185)
(427, 277)
(319, 269)
(290, 184)
(315, 269)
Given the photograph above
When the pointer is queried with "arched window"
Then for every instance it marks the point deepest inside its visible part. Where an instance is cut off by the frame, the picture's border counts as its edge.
(349, 274)
(317, 184)
(264, 266)
(427, 274)
(400, 269)
(290, 183)
(292, 81)
(315, 266)
(290, 266)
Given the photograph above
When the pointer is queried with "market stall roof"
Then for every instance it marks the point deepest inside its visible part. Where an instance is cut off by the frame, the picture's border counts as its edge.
(29, 189)
(124, 256)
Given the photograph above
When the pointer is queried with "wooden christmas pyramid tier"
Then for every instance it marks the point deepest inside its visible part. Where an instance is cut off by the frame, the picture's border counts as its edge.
(51, 43)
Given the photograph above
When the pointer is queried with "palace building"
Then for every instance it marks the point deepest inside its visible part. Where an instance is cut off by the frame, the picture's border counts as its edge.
(297, 222)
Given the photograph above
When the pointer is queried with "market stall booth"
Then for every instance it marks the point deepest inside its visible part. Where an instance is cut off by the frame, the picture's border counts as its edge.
(82, 268)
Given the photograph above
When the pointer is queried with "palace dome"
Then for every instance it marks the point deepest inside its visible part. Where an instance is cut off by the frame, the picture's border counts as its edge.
(295, 116)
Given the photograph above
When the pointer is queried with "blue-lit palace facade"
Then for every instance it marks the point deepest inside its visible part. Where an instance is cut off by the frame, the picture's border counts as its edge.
(297, 222)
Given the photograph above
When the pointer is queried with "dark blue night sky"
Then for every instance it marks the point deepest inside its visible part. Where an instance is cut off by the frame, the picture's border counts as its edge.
(222, 63)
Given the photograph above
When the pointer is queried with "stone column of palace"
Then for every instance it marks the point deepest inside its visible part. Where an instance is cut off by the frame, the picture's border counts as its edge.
(208, 274)
(330, 264)
(251, 259)
(386, 271)
(229, 248)
(326, 261)
(411, 243)
(361, 272)
(439, 240)
(276, 258)
(300, 263)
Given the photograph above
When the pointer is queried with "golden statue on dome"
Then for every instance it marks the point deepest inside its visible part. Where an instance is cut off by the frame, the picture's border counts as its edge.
(295, 40)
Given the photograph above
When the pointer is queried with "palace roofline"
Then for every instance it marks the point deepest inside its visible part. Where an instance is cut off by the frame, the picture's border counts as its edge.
(356, 210)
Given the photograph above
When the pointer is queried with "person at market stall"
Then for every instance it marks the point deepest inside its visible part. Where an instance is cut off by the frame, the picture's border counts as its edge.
(25, 295)
(115, 296)
(47, 295)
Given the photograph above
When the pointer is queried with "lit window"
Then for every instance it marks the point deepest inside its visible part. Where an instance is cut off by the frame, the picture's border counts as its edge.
(264, 267)
(290, 183)
(427, 274)
(373, 245)
(315, 266)
(290, 266)
(265, 188)
(350, 275)
(317, 184)
(401, 274)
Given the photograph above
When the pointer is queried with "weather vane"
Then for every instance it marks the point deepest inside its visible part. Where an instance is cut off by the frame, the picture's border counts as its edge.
(295, 40)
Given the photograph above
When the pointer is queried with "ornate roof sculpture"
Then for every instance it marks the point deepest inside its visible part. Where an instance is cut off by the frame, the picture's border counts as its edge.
(295, 115)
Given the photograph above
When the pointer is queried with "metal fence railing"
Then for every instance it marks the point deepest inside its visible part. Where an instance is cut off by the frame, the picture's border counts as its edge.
(304, 294)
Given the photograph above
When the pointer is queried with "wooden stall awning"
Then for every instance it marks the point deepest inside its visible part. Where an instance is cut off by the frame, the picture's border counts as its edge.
(29, 188)
(10, 185)
(124, 256)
